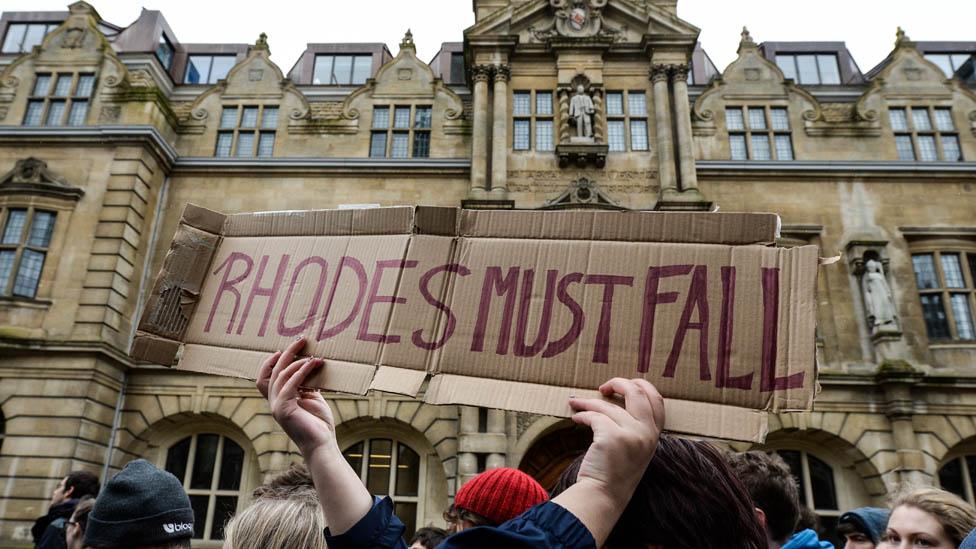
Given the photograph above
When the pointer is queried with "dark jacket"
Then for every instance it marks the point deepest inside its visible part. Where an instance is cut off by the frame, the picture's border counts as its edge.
(48, 531)
(546, 525)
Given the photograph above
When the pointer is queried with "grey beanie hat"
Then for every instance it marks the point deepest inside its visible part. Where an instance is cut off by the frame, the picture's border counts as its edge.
(141, 505)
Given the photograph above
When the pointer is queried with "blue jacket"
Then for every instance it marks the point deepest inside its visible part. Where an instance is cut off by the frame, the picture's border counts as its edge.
(546, 525)
(969, 542)
(807, 539)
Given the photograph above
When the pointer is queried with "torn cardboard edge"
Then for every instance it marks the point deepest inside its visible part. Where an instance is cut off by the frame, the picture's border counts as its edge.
(676, 227)
(682, 416)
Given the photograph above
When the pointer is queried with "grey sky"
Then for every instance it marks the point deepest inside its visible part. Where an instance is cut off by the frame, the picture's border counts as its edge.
(868, 26)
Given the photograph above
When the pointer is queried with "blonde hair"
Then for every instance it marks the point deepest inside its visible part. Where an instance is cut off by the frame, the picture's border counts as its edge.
(957, 517)
(278, 523)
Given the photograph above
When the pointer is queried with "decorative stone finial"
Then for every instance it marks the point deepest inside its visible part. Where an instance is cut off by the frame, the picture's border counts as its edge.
(901, 39)
(407, 41)
(746, 41)
(262, 41)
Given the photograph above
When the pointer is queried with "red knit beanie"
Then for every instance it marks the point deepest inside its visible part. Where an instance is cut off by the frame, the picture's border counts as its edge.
(500, 494)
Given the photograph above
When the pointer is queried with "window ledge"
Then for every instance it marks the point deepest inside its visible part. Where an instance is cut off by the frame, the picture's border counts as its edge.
(33, 303)
(962, 344)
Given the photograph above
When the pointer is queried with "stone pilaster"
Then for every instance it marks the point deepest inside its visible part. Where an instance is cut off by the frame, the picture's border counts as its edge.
(479, 134)
(897, 379)
(107, 302)
(662, 124)
(682, 122)
(499, 134)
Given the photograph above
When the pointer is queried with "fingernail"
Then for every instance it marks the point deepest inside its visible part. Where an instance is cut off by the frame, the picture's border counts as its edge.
(298, 337)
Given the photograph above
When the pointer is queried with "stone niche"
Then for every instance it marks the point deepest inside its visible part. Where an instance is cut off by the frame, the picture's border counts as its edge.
(581, 121)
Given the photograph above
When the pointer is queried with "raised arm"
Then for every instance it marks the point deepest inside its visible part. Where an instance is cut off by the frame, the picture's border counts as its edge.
(624, 440)
(308, 421)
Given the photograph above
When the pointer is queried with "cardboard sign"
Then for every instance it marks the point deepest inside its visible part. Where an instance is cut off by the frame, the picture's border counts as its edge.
(507, 309)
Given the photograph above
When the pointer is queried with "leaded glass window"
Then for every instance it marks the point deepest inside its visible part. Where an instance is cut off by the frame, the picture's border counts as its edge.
(925, 133)
(24, 245)
(59, 99)
(532, 121)
(247, 131)
(759, 132)
(945, 282)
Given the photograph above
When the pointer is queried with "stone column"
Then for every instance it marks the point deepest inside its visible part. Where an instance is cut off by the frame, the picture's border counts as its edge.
(662, 124)
(479, 133)
(682, 122)
(496, 425)
(467, 461)
(499, 134)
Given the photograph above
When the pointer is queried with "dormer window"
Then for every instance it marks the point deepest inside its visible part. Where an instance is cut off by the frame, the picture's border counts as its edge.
(810, 69)
(950, 63)
(341, 70)
(208, 69)
(22, 37)
(164, 52)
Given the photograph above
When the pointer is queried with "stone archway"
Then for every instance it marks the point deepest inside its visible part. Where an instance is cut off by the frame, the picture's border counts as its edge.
(552, 451)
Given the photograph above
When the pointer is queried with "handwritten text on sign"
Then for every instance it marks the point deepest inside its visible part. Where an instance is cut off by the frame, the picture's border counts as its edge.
(287, 294)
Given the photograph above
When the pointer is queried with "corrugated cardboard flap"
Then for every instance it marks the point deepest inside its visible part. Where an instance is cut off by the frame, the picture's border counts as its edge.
(155, 349)
(335, 375)
(628, 226)
(176, 288)
(402, 381)
(370, 221)
(695, 418)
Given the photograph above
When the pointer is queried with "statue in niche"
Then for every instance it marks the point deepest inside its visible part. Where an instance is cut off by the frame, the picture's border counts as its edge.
(581, 114)
(877, 297)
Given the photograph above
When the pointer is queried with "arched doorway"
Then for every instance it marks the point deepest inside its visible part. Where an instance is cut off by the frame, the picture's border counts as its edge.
(552, 452)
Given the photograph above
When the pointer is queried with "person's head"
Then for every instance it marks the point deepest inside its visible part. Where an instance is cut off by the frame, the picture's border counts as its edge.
(579, 88)
(427, 538)
(74, 529)
(76, 485)
(286, 499)
(772, 487)
(928, 517)
(688, 498)
(141, 507)
(862, 528)
(493, 497)
(808, 521)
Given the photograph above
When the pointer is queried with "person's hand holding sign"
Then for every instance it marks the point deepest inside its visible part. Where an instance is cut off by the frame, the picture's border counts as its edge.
(624, 440)
(307, 420)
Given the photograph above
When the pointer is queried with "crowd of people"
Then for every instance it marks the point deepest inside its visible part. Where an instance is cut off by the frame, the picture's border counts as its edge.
(634, 487)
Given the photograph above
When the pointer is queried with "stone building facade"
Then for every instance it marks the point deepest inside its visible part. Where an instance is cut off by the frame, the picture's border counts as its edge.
(107, 131)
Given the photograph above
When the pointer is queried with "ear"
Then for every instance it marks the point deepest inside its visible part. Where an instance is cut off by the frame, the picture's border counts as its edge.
(68, 492)
(761, 515)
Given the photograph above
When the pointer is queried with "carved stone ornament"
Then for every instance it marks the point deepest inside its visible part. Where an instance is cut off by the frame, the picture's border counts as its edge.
(576, 19)
(73, 38)
(582, 193)
(32, 176)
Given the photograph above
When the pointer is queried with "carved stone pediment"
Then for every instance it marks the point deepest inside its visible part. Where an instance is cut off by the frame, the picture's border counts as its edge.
(32, 176)
(582, 193)
(576, 19)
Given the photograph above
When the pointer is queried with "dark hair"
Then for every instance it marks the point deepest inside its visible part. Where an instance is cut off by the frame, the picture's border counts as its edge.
(80, 514)
(808, 521)
(455, 514)
(849, 527)
(84, 484)
(429, 537)
(688, 498)
(771, 484)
